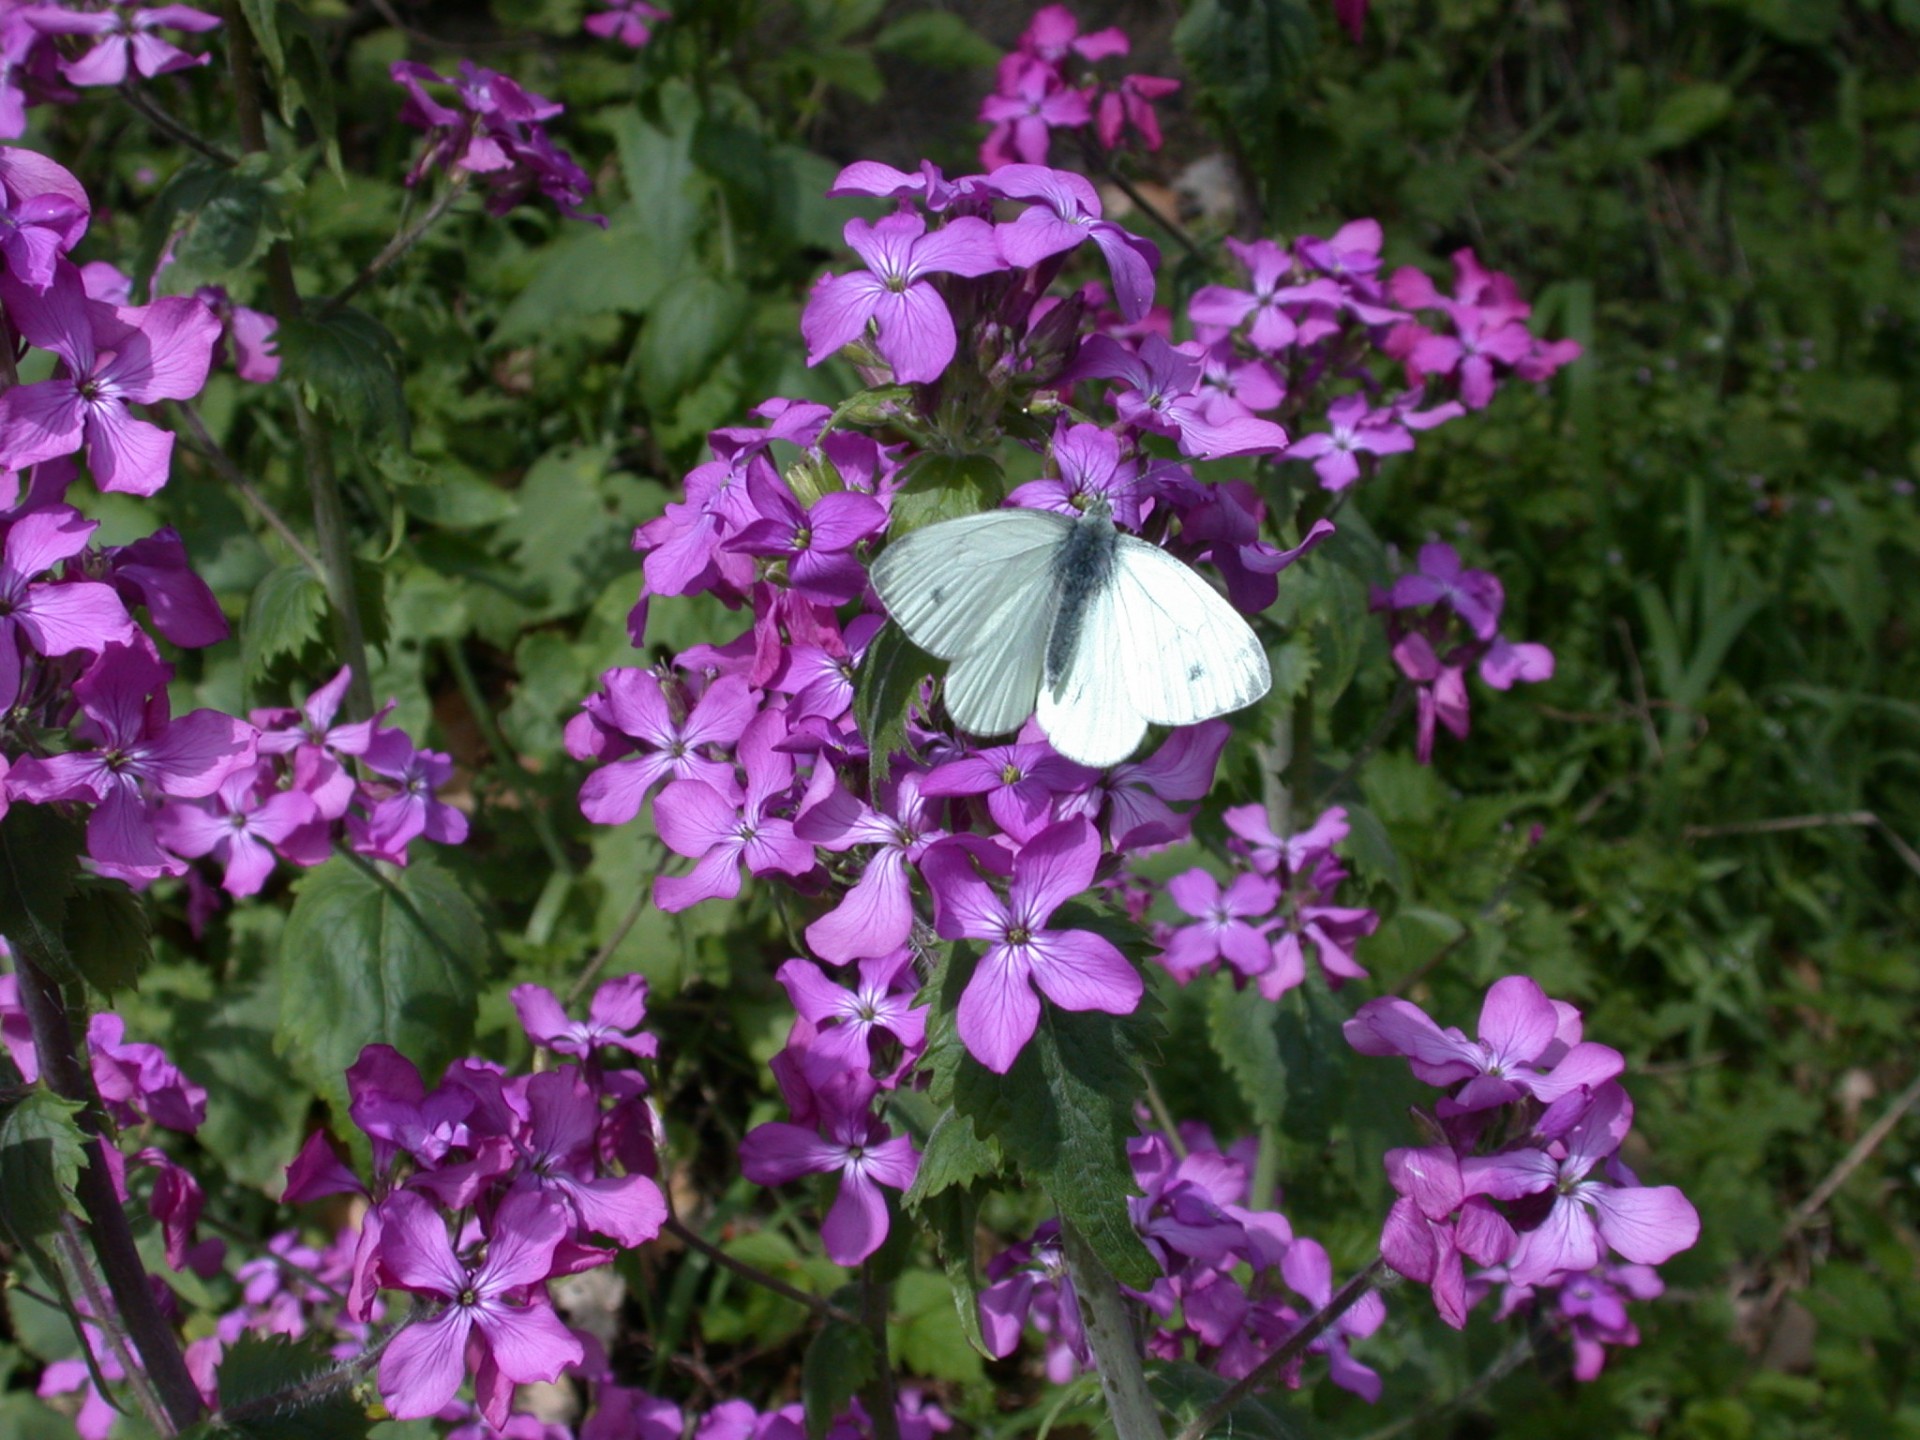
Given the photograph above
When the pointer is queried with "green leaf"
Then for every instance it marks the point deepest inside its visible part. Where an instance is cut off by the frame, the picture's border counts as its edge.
(621, 270)
(265, 25)
(216, 220)
(273, 1388)
(108, 934)
(350, 364)
(839, 1361)
(1063, 1115)
(39, 868)
(697, 321)
(568, 533)
(284, 615)
(1686, 115)
(1186, 1390)
(392, 960)
(935, 487)
(25, 1417)
(1317, 1058)
(931, 1332)
(1372, 852)
(41, 1152)
(886, 687)
(1293, 663)
(937, 38)
(1240, 1024)
(954, 1156)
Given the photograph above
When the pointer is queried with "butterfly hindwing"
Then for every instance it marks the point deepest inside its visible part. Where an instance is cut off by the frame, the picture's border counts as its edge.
(1189, 655)
(1086, 710)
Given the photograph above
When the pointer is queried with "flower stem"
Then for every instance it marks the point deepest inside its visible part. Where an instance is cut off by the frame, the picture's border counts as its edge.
(699, 1243)
(506, 759)
(399, 245)
(878, 1394)
(229, 470)
(1116, 1349)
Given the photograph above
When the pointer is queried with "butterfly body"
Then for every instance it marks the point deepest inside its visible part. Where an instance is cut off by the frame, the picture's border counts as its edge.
(1096, 632)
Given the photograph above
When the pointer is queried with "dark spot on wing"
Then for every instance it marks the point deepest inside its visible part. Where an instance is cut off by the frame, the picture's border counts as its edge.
(939, 596)
(1194, 672)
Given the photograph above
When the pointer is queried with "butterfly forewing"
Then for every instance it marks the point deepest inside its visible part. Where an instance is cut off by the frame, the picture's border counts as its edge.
(952, 586)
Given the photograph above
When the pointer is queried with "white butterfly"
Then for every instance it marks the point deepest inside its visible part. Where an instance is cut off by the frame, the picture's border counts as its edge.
(1099, 633)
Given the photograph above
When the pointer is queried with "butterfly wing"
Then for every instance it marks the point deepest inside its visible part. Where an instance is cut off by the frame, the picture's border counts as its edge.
(979, 591)
(1157, 644)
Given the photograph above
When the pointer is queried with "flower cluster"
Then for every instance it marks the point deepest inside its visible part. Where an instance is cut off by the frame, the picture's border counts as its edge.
(125, 44)
(631, 22)
(1047, 83)
(1279, 902)
(492, 130)
(1525, 1171)
(1226, 1270)
(1442, 618)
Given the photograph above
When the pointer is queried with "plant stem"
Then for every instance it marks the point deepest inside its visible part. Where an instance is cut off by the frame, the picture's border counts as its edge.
(1116, 1350)
(399, 245)
(1290, 1350)
(323, 485)
(100, 1312)
(230, 471)
(878, 1394)
(173, 129)
(605, 952)
(107, 1228)
(505, 758)
(696, 1242)
(1383, 727)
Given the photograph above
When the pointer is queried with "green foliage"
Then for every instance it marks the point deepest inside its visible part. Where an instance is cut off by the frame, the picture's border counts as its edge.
(39, 868)
(108, 934)
(840, 1359)
(41, 1152)
(274, 1388)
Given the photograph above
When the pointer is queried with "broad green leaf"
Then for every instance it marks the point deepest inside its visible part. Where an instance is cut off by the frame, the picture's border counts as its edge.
(621, 270)
(936, 487)
(886, 687)
(1317, 1059)
(930, 1332)
(256, 1106)
(1686, 115)
(568, 536)
(953, 1157)
(108, 934)
(264, 21)
(350, 364)
(39, 868)
(937, 38)
(392, 960)
(41, 1152)
(695, 322)
(839, 1361)
(951, 1217)
(215, 220)
(1187, 1389)
(286, 613)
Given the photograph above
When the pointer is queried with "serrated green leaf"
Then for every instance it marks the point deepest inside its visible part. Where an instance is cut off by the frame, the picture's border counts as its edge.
(953, 1156)
(886, 687)
(273, 1388)
(39, 867)
(350, 363)
(951, 1216)
(621, 270)
(1317, 1059)
(41, 1152)
(839, 1361)
(367, 961)
(567, 537)
(1371, 851)
(108, 934)
(1293, 663)
(1063, 1115)
(936, 487)
(284, 615)
(1240, 1024)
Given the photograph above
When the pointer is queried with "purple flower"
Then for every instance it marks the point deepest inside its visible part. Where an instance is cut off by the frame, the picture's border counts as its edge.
(113, 355)
(1162, 384)
(722, 833)
(156, 573)
(1090, 467)
(124, 698)
(1356, 427)
(52, 618)
(855, 1144)
(495, 133)
(1476, 596)
(242, 825)
(43, 214)
(630, 22)
(1646, 1224)
(1225, 519)
(1021, 783)
(635, 705)
(127, 41)
(882, 999)
(915, 333)
(1067, 213)
(1309, 1274)
(496, 1312)
(1268, 268)
(409, 808)
(876, 917)
(559, 1152)
(1076, 969)
(1299, 852)
(138, 1082)
(614, 1017)
(1136, 794)
(1031, 101)
(816, 543)
(1226, 929)
(320, 748)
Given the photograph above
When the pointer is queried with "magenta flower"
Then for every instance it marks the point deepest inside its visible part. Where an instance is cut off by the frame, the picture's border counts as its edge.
(1355, 427)
(52, 618)
(914, 331)
(1161, 394)
(1528, 1045)
(1054, 33)
(243, 825)
(114, 355)
(127, 42)
(855, 1144)
(882, 1000)
(559, 1152)
(495, 132)
(43, 214)
(1090, 467)
(1309, 1274)
(820, 677)
(1066, 213)
(1076, 969)
(1226, 929)
(1131, 103)
(1439, 578)
(700, 822)
(495, 1316)
(816, 543)
(1646, 1224)
(614, 1017)
(1138, 796)
(1269, 269)
(1225, 522)
(320, 748)
(1031, 101)
(1299, 852)
(124, 697)
(1021, 783)
(137, 1080)
(630, 22)
(156, 573)
(876, 917)
(635, 705)
(410, 808)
